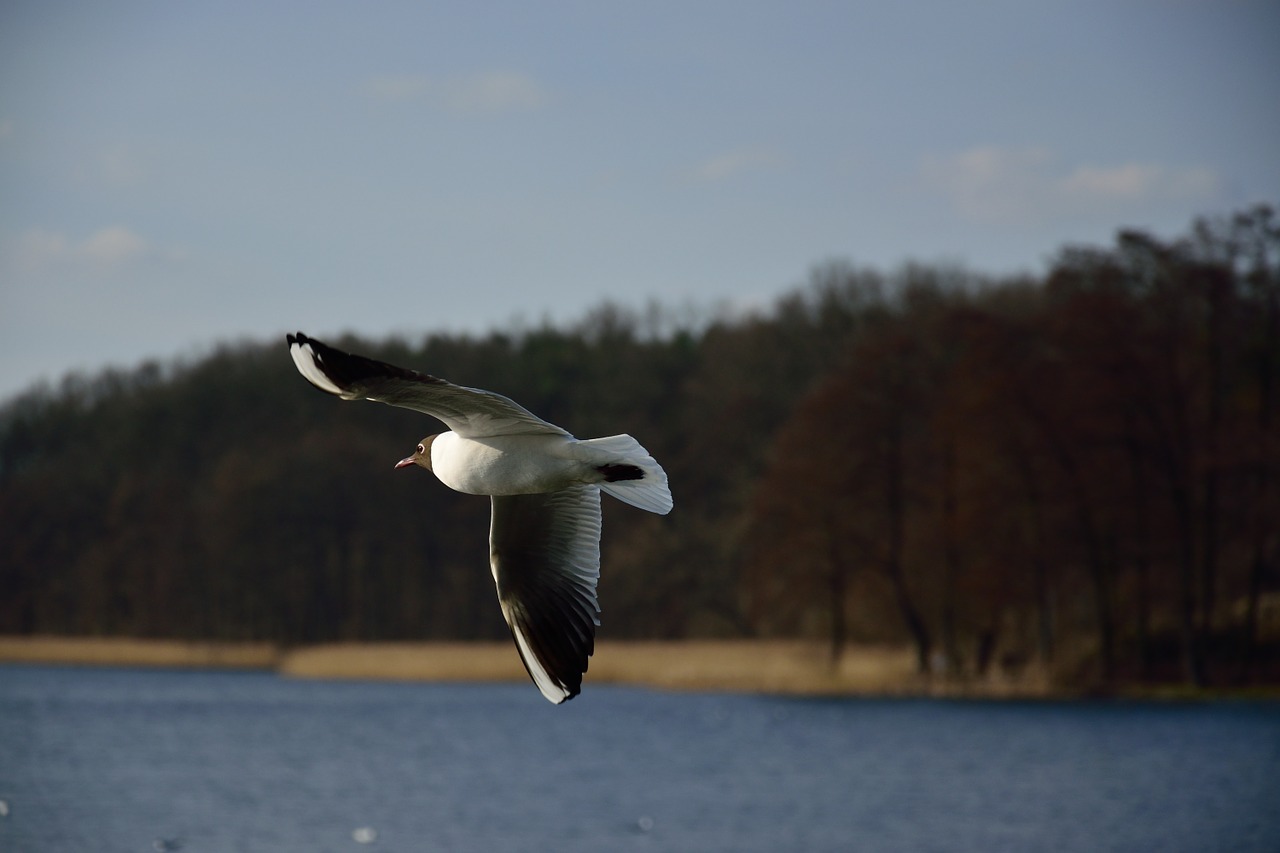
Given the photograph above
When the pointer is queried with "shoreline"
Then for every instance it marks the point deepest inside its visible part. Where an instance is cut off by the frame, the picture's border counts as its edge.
(777, 667)
(130, 651)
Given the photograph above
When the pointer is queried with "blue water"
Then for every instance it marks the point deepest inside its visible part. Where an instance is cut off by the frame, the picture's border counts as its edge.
(125, 760)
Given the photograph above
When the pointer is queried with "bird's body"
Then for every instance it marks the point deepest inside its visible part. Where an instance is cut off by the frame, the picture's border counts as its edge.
(512, 464)
(544, 484)
(505, 464)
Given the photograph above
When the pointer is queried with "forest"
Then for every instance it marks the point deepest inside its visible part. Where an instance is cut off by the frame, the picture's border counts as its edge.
(1077, 469)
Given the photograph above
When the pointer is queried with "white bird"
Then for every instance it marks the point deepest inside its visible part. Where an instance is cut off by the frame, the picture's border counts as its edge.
(544, 484)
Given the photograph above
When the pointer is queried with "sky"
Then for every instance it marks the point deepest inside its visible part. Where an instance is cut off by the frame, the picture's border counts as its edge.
(174, 175)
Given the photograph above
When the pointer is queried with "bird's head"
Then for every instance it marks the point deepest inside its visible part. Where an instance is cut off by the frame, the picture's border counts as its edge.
(421, 456)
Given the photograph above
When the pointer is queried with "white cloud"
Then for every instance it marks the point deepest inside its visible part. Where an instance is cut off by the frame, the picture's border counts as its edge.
(1137, 181)
(496, 91)
(103, 250)
(486, 92)
(36, 249)
(988, 183)
(735, 162)
(396, 87)
(995, 184)
(112, 246)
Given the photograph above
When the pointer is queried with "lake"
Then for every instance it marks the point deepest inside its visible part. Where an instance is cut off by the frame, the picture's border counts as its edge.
(142, 760)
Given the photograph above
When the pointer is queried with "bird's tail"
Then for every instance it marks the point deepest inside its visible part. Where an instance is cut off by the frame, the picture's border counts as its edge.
(628, 472)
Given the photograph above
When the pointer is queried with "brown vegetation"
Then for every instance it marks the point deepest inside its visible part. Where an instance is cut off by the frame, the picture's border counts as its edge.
(780, 666)
(749, 666)
(1076, 474)
(125, 651)
(1079, 473)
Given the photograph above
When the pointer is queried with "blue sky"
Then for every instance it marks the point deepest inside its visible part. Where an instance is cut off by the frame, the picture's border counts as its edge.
(177, 174)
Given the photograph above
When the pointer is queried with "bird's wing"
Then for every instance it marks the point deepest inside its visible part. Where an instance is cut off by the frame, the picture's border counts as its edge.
(545, 554)
(469, 412)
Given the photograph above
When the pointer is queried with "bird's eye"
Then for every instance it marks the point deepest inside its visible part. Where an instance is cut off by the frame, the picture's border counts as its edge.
(421, 449)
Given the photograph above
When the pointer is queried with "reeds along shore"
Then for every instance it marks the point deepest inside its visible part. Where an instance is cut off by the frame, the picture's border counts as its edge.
(764, 666)
(126, 651)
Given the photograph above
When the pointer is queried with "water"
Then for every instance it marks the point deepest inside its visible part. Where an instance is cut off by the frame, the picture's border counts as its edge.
(131, 760)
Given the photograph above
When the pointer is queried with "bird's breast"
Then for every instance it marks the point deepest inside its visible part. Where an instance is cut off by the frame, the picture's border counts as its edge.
(505, 464)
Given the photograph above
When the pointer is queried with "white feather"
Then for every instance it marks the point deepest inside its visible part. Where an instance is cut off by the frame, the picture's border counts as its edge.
(650, 492)
(304, 358)
(550, 689)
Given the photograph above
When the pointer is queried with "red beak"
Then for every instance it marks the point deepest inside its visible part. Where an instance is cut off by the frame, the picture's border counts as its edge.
(405, 462)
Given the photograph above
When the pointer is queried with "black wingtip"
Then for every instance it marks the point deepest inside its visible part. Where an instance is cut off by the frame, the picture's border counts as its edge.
(554, 659)
(344, 371)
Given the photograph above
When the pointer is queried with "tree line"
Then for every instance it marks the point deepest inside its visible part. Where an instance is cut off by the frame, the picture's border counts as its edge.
(1079, 469)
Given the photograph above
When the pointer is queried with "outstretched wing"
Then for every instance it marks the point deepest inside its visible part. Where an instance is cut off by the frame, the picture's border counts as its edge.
(545, 553)
(469, 412)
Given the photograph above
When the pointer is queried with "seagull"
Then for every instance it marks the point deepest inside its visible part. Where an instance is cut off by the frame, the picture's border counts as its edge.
(544, 486)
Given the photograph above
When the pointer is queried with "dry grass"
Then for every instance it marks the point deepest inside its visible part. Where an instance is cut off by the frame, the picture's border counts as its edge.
(770, 666)
(406, 661)
(764, 666)
(116, 651)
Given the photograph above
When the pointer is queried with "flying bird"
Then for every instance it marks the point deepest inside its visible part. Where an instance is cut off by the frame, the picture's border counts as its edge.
(544, 486)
